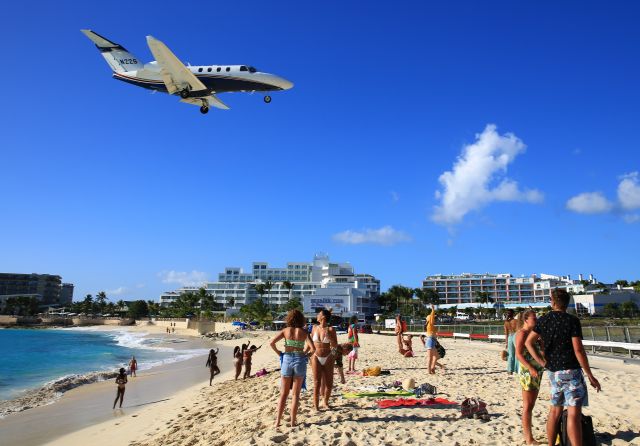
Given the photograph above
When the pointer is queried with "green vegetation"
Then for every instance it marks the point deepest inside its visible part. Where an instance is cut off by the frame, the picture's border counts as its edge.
(20, 306)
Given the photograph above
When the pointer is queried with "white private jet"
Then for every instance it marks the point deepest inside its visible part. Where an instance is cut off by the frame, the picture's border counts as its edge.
(196, 85)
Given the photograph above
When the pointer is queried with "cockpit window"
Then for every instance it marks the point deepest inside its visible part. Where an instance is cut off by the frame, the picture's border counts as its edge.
(243, 68)
(252, 70)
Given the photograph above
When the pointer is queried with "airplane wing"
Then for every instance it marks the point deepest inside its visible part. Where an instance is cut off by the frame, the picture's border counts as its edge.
(174, 74)
(212, 100)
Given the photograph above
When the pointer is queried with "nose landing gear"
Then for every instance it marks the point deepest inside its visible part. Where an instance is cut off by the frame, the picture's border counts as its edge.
(267, 99)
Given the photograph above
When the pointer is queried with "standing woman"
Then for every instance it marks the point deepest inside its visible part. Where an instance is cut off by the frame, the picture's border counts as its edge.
(237, 360)
(133, 366)
(530, 373)
(510, 328)
(325, 342)
(399, 331)
(121, 381)
(430, 345)
(297, 349)
(355, 343)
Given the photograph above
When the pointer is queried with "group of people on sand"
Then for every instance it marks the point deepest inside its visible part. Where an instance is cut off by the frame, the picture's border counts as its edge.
(243, 356)
(429, 340)
(552, 342)
(171, 328)
(321, 348)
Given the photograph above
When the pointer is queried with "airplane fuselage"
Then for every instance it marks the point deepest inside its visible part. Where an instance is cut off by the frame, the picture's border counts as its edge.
(218, 78)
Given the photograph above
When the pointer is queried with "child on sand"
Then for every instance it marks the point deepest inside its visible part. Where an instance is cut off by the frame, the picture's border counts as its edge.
(133, 366)
(355, 344)
(121, 380)
(341, 350)
(407, 342)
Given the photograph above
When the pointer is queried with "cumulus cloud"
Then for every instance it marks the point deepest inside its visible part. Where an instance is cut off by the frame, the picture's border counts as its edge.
(193, 278)
(589, 203)
(386, 236)
(477, 177)
(629, 191)
(597, 203)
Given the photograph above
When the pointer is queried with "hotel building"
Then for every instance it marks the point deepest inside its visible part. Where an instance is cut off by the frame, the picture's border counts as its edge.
(235, 288)
(502, 288)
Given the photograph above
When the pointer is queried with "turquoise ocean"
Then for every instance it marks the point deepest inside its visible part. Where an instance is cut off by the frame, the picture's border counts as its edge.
(64, 358)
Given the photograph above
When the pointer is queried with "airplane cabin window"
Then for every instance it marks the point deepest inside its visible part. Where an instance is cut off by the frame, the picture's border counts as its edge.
(228, 69)
(218, 69)
(209, 69)
(199, 70)
(252, 70)
(243, 68)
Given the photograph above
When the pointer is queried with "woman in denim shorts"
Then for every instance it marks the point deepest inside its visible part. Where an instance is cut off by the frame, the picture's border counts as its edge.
(297, 349)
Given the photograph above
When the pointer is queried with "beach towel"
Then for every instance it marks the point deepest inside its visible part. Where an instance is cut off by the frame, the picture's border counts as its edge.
(376, 394)
(433, 403)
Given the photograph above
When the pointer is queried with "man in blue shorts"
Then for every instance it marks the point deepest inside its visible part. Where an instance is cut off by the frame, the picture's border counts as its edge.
(565, 358)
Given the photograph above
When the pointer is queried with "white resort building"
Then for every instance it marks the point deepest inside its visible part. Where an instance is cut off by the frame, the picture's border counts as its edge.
(357, 293)
(502, 288)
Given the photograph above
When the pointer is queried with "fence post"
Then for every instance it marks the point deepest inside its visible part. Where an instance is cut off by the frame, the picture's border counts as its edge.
(593, 338)
(609, 338)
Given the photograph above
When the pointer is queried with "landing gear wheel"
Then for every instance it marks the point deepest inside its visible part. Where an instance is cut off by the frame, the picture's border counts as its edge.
(204, 109)
(267, 99)
(184, 94)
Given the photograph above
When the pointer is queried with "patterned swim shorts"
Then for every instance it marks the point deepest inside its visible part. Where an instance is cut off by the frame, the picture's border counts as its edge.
(568, 388)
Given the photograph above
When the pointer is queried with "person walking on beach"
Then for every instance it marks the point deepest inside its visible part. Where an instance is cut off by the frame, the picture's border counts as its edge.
(355, 344)
(510, 329)
(430, 329)
(133, 366)
(325, 342)
(297, 349)
(565, 358)
(529, 373)
(121, 381)
(212, 363)
(246, 356)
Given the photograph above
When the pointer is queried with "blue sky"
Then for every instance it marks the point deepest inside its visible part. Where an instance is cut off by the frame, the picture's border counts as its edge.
(117, 189)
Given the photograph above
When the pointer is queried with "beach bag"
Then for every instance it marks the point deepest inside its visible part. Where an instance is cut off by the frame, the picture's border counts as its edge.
(588, 436)
(441, 350)
(473, 407)
(504, 355)
(262, 372)
(372, 371)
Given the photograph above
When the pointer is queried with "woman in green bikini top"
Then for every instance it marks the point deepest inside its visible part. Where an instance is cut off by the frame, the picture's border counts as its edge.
(529, 373)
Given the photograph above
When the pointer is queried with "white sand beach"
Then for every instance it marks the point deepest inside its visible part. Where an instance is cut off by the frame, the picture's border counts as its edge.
(242, 412)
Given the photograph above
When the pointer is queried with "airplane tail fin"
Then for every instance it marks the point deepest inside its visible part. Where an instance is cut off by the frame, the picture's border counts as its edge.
(118, 58)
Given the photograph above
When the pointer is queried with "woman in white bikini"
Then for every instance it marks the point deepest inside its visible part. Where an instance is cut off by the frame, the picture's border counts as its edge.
(325, 341)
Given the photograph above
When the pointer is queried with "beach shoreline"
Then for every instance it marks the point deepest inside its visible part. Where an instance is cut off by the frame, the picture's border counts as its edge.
(89, 402)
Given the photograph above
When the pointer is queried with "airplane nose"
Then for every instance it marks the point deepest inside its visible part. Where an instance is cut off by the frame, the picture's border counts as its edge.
(284, 84)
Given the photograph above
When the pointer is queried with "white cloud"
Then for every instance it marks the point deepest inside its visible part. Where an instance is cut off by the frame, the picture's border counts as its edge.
(386, 236)
(589, 203)
(632, 218)
(471, 184)
(117, 292)
(193, 278)
(629, 191)
(394, 196)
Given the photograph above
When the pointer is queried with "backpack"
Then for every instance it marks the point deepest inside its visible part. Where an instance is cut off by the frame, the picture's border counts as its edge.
(588, 436)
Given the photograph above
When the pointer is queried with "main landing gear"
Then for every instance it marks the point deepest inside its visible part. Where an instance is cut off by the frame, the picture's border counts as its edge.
(267, 99)
(204, 109)
(184, 94)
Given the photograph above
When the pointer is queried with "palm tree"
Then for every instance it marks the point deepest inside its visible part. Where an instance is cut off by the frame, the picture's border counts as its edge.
(289, 286)
(120, 304)
(261, 290)
(87, 304)
(231, 302)
(267, 286)
(101, 301)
